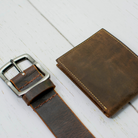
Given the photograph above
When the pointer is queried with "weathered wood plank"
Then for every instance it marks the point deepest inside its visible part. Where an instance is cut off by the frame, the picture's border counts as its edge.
(24, 30)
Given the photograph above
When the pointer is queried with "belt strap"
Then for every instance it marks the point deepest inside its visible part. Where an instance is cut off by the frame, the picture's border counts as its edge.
(49, 106)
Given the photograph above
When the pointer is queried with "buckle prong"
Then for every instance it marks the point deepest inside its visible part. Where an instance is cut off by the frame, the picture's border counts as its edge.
(13, 62)
(17, 67)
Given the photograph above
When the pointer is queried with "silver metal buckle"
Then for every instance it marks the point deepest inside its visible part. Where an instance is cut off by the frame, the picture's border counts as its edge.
(14, 62)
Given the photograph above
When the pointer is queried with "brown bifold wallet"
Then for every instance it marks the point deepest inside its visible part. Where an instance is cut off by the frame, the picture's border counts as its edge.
(105, 69)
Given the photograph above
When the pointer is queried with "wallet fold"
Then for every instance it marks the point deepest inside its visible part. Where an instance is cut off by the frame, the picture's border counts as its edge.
(105, 69)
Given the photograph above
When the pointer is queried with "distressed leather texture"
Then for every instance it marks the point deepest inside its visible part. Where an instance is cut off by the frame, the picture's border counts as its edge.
(105, 69)
(49, 106)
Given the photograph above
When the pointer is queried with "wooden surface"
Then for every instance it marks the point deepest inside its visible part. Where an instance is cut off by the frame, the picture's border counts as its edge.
(46, 29)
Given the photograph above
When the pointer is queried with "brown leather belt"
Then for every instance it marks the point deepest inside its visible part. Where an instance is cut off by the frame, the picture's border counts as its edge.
(37, 90)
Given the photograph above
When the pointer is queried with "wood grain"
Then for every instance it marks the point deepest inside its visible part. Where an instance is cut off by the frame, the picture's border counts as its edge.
(48, 29)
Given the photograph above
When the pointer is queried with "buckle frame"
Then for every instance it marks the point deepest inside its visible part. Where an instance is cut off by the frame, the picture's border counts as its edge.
(13, 62)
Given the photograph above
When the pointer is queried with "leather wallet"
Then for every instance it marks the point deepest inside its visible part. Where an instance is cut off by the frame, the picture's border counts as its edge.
(105, 69)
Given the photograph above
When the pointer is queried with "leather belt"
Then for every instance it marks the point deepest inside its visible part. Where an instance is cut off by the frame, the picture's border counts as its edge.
(37, 90)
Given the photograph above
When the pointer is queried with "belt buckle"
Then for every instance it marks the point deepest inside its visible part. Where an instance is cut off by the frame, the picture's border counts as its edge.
(14, 62)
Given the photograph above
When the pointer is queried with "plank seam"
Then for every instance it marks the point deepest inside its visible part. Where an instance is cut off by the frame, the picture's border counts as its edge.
(51, 23)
